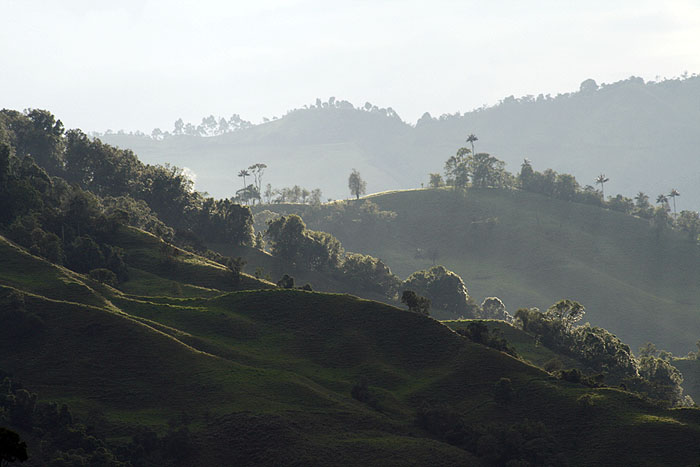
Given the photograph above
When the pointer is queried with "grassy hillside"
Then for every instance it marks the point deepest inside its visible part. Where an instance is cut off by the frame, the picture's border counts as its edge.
(530, 250)
(265, 376)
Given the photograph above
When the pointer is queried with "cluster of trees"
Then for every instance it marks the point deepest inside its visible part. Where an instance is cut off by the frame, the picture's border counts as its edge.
(333, 103)
(481, 170)
(478, 332)
(349, 217)
(289, 239)
(55, 220)
(63, 441)
(566, 187)
(436, 288)
(602, 352)
(252, 193)
(447, 292)
(209, 126)
(216, 126)
(309, 249)
(442, 289)
(56, 437)
(295, 194)
(62, 193)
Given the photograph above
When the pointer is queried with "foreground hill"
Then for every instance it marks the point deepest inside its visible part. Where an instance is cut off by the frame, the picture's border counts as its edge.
(529, 250)
(642, 135)
(265, 377)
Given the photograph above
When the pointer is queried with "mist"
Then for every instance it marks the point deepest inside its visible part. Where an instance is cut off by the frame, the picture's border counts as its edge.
(141, 65)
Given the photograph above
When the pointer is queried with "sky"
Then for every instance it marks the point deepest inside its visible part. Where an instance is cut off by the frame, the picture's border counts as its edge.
(138, 65)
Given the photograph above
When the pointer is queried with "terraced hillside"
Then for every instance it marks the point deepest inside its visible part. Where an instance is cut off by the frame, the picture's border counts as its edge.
(640, 283)
(266, 376)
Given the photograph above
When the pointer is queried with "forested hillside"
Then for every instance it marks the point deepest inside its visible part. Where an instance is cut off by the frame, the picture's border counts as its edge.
(640, 134)
(128, 340)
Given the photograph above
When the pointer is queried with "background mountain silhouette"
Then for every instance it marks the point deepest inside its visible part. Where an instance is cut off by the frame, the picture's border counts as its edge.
(640, 134)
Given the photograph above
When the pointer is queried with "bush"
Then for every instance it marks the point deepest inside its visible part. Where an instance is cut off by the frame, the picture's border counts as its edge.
(370, 273)
(105, 276)
(503, 392)
(445, 290)
(287, 282)
(478, 332)
(415, 302)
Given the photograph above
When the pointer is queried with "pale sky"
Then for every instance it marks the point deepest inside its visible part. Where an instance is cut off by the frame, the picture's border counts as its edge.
(136, 65)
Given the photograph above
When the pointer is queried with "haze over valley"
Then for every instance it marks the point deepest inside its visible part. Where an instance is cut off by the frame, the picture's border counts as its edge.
(482, 248)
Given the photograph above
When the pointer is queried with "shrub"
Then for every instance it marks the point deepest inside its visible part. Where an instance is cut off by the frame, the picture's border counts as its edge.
(415, 302)
(503, 392)
(287, 282)
(104, 275)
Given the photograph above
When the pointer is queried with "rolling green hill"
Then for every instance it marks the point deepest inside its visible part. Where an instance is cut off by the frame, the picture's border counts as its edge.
(264, 377)
(530, 250)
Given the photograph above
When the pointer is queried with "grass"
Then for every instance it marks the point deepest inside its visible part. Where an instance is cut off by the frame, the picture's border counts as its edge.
(265, 376)
(531, 250)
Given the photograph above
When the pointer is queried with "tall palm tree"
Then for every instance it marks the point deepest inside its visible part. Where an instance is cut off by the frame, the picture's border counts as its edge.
(662, 200)
(673, 195)
(600, 180)
(244, 173)
(470, 139)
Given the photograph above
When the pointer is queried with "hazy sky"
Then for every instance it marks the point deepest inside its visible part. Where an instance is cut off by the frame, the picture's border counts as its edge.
(141, 64)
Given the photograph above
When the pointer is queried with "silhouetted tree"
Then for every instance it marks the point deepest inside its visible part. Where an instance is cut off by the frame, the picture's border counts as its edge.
(642, 206)
(662, 200)
(12, 449)
(674, 193)
(472, 139)
(243, 174)
(314, 250)
(601, 180)
(257, 170)
(356, 184)
(445, 290)
(415, 302)
(494, 308)
(235, 267)
(527, 174)
(486, 170)
(436, 180)
(568, 311)
(286, 282)
(457, 168)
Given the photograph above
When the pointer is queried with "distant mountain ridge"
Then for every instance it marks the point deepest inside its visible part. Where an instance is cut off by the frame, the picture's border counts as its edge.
(642, 135)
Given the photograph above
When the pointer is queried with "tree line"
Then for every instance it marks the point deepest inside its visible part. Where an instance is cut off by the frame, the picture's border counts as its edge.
(468, 168)
(312, 250)
(602, 353)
